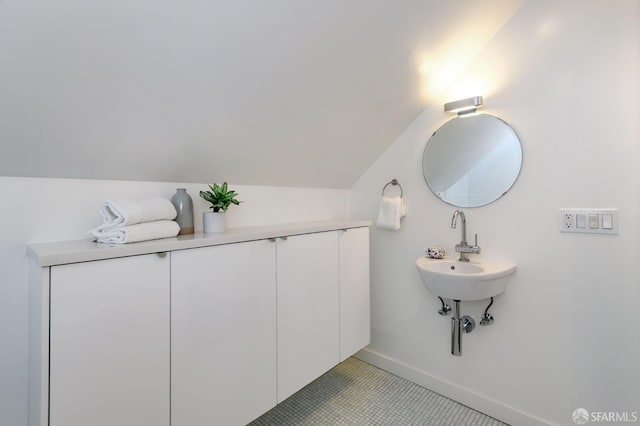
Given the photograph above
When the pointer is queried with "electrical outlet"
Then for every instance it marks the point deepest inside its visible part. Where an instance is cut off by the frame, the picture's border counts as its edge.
(589, 221)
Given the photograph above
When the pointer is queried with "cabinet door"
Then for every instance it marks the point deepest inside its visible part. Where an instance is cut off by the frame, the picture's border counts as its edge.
(109, 347)
(223, 334)
(308, 309)
(355, 328)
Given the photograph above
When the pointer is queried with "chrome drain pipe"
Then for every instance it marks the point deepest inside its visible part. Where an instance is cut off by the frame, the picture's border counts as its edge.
(458, 325)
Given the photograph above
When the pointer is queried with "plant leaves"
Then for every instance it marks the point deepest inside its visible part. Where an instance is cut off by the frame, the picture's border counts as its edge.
(220, 197)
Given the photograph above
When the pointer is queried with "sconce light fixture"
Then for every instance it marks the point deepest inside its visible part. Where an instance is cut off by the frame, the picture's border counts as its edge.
(464, 106)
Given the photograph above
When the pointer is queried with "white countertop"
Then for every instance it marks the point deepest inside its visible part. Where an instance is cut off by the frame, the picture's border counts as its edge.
(63, 252)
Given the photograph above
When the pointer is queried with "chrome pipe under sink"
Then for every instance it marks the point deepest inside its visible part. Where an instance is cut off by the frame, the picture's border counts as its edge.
(458, 325)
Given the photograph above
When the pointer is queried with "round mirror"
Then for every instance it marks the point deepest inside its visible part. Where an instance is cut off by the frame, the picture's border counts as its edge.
(472, 160)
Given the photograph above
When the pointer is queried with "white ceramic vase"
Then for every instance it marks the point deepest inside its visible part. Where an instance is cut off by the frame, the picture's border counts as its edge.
(213, 222)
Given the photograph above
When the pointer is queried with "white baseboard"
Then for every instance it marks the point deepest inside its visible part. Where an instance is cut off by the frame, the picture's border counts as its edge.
(464, 396)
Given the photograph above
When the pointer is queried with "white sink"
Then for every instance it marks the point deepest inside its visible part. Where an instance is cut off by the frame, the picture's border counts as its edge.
(473, 280)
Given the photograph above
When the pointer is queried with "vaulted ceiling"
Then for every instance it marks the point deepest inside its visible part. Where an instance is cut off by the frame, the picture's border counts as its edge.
(265, 92)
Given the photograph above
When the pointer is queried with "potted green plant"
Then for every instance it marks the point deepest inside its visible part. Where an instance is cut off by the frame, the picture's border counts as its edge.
(220, 199)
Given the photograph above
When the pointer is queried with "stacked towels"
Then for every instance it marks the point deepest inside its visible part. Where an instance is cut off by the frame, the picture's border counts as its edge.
(127, 221)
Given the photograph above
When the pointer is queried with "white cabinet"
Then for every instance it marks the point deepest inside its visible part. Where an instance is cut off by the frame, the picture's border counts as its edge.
(215, 331)
(223, 340)
(354, 291)
(223, 333)
(308, 309)
(109, 342)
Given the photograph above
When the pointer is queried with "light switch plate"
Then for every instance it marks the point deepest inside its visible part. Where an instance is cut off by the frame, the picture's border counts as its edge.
(589, 221)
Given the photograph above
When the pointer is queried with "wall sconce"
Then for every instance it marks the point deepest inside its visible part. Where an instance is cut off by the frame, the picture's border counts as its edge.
(464, 106)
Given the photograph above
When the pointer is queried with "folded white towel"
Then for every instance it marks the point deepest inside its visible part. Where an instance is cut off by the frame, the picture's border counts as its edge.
(127, 212)
(138, 232)
(390, 212)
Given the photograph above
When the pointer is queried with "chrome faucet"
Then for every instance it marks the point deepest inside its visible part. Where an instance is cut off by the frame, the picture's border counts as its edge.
(463, 248)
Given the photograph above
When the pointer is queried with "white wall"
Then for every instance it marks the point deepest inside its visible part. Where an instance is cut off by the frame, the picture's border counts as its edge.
(565, 76)
(200, 84)
(37, 210)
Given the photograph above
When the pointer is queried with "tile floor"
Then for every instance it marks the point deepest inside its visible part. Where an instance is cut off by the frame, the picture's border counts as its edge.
(357, 393)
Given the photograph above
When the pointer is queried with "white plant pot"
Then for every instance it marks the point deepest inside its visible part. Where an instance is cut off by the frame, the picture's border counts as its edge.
(213, 222)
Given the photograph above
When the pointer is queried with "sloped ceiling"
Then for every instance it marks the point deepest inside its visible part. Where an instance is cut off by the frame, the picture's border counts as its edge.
(264, 92)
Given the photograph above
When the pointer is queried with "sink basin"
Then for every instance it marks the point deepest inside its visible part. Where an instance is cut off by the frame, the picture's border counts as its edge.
(473, 280)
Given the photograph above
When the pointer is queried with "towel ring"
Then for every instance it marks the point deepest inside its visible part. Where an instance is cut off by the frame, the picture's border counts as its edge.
(393, 182)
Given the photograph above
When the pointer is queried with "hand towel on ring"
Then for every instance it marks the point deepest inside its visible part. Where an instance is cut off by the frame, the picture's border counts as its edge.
(390, 212)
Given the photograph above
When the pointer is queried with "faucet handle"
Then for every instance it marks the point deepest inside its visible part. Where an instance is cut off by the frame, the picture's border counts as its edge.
(476, 247)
